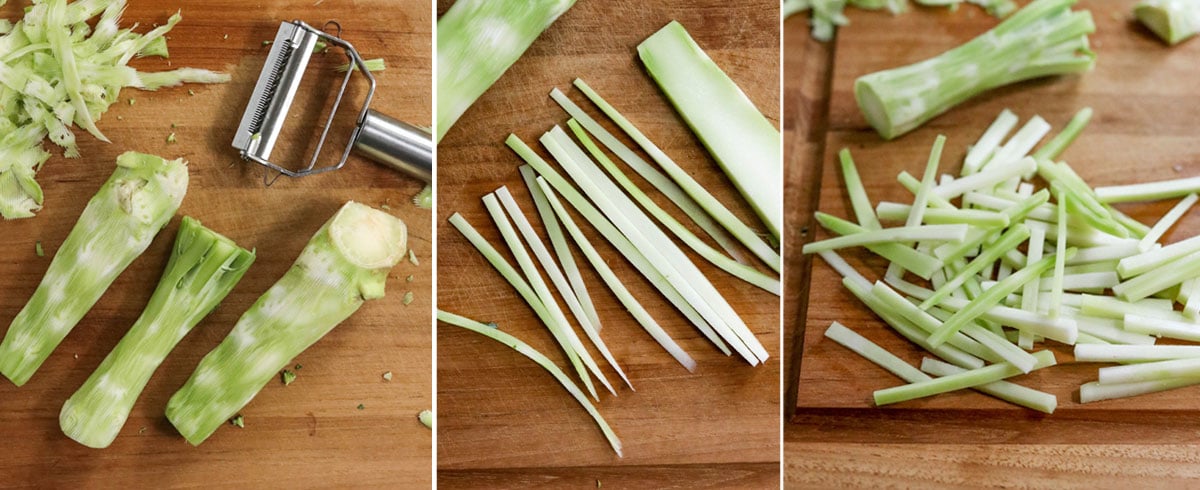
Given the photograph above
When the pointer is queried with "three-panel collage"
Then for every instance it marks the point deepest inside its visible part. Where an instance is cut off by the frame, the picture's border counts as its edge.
(494, 244)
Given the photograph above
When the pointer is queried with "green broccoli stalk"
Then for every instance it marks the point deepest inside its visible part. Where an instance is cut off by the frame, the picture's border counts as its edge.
(1044, 38)
(116, 227)
(202, 270)
(344, 264)
(1172, 20)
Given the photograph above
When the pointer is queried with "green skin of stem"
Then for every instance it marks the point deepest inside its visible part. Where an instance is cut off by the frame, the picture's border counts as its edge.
(1044, 38)
(543, 361)
(736, 134)
(953, 382)
(345, 264)
(203, 269)
(477, 41)
(741, 271)
(1008, 241)
(118, 225)
(858, 194)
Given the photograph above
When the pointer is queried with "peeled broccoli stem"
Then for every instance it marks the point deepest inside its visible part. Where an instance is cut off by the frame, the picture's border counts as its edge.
(344, 264)
(1171, 20)
(203, 268)
(1044, 38)
(116, 227)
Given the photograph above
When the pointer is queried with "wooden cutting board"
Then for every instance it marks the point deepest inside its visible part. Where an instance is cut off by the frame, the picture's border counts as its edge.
(502, 420)
(308, 433)
(1141, 132)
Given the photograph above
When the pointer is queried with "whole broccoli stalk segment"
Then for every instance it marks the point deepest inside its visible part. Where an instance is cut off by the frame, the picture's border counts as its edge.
(343, 265)
(203, 268)
(1172, 20)
(1044, 38)
(116, 227)
(62, 66)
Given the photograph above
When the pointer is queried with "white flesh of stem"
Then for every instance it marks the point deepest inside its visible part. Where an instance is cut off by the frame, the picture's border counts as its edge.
(874, 353)
(1095, 391)
(954, 382)
(559, 242)
(938, 233)
(618, 288)
(1162, 328)
(706, 200)
(741, 271)
(1134, 353)
(1166, 222)
(1151, 371)
(989, 142)
(661, 182)
(616, 238)
(557, 278)
(658, 247)
(514, 278)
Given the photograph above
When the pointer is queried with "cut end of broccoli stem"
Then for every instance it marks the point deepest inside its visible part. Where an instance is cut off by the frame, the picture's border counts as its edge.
(874, 110)
(367, 237)
(424, 199)
(1173, 22)
(426, 418)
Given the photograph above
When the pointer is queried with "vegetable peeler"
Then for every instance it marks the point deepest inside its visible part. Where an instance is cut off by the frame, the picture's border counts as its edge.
(399, 145)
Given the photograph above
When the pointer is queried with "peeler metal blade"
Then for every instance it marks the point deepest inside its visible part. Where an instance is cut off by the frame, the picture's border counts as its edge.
(275, 90)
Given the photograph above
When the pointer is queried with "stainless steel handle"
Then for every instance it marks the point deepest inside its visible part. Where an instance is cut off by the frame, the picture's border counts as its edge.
(397, 144)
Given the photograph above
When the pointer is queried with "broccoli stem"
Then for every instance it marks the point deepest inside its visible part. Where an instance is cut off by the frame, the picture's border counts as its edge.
(477, 41)
(203, 269)
(344, 264)
(116, 227)
(1044, 38)
(1171, 20)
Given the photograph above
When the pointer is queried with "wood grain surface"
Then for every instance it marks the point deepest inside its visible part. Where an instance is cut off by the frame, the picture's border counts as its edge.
(503, 422)
(309, 433)
(1144, 129)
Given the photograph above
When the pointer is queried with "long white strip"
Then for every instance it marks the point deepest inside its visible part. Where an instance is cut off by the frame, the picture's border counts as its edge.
(941, 233)
(1020, 144)
(1151, 371)
(661, 182)
(988, 177)
(561, 248)
(1162, 328)
(1148, 191)
(1166, 222)
(610, 279)
(874, 353)
(989, 142)
(656, 245)
(557, 278)
(1029, 297)
(614, 237)
(1096, 391)
(1004, 390)
(1134, 353)
(539, 287)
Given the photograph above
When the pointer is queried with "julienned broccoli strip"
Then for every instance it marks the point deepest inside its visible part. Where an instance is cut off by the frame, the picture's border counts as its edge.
(116, 227)
(59, 68)
(1044, 38)
(203, 268)
(476, 43)
(344, 264)
(1171, 20)
(1114, 285)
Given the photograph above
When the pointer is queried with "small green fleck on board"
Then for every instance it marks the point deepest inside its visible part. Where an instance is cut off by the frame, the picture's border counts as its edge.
(131, 101)
(408, 298)
(171, 138)
(266, 43)
(287, 377)
(426, 418)
(37, 248)
(412, 257)
(362, 407)
(424, 199)
(387, 376)
(299, 366)
(191, 92)
(238, 421)
(409, 278)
